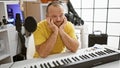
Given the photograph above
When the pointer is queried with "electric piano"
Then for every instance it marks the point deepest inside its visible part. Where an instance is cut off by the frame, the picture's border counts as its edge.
(83, 58)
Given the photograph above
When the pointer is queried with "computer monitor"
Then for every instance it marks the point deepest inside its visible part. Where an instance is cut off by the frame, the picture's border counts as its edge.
(12, 9)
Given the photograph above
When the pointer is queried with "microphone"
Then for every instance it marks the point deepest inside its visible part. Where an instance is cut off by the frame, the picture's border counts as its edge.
(30, 25)
(26, 28)
(4, 20)
(18, 22)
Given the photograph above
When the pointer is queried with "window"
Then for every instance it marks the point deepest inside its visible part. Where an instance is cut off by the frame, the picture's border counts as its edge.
(105, 14)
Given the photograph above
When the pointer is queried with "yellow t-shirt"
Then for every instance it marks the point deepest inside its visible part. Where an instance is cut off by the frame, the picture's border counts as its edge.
(43, 32)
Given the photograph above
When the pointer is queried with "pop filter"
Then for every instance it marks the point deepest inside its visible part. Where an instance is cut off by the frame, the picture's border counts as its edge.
(30, 24)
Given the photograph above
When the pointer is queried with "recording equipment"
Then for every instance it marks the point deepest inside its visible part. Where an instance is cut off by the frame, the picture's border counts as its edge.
(30, 24)
(24, 29)
(83, 58)
(97, 38)
(18, 22)
(72, 15)
(4, 20)
(18, 25)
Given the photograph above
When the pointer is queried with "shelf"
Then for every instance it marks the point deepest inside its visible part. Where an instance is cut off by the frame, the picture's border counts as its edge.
(8, 34)
(2, 30)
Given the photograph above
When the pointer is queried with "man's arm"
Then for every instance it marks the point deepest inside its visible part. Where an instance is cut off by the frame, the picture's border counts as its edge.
(69, 42)
(45, 48)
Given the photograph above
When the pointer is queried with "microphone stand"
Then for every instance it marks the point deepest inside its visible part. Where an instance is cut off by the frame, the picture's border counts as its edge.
(23, 49)
(22, 54)
(22, 38)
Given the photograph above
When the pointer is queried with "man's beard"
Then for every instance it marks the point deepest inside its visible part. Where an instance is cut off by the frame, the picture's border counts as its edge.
(58, 23)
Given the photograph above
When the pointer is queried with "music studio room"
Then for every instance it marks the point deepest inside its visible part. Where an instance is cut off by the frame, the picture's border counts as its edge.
(96, 25)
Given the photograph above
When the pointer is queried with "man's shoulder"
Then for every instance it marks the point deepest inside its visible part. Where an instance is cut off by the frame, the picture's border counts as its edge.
(69, 24)
(42, 23)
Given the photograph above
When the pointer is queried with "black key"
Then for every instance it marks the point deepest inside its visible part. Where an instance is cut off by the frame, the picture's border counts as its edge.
(31, 66)
(91, 55)
(49, 65)
(74, 59)
(54, 63)
(41, 66)
(94, 54)
(66, 61)
(58, 63)
(35, 66)
(87, 56)
(77, 59)
(45, 65)
(84, 57)
(81, 57)
(106, 51)
(102, 52)
(69, 60)
(109, 50)
(63, 61)
(99, 53)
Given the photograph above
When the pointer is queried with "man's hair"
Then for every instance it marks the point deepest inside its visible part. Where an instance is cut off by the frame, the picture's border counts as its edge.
(54, 3)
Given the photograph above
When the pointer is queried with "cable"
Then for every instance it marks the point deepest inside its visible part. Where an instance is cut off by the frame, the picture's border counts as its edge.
(11, 65)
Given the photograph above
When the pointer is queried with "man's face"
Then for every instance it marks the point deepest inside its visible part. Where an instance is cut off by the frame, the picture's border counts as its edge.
(56, 13)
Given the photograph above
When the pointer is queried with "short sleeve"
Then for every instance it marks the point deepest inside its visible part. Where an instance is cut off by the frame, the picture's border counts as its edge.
(39, 37)
(70, 30)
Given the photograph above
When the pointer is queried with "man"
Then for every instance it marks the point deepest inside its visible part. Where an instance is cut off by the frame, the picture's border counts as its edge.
(54, 34)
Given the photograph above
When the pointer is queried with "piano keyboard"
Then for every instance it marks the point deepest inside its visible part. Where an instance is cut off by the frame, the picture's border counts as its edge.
(84, 58)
